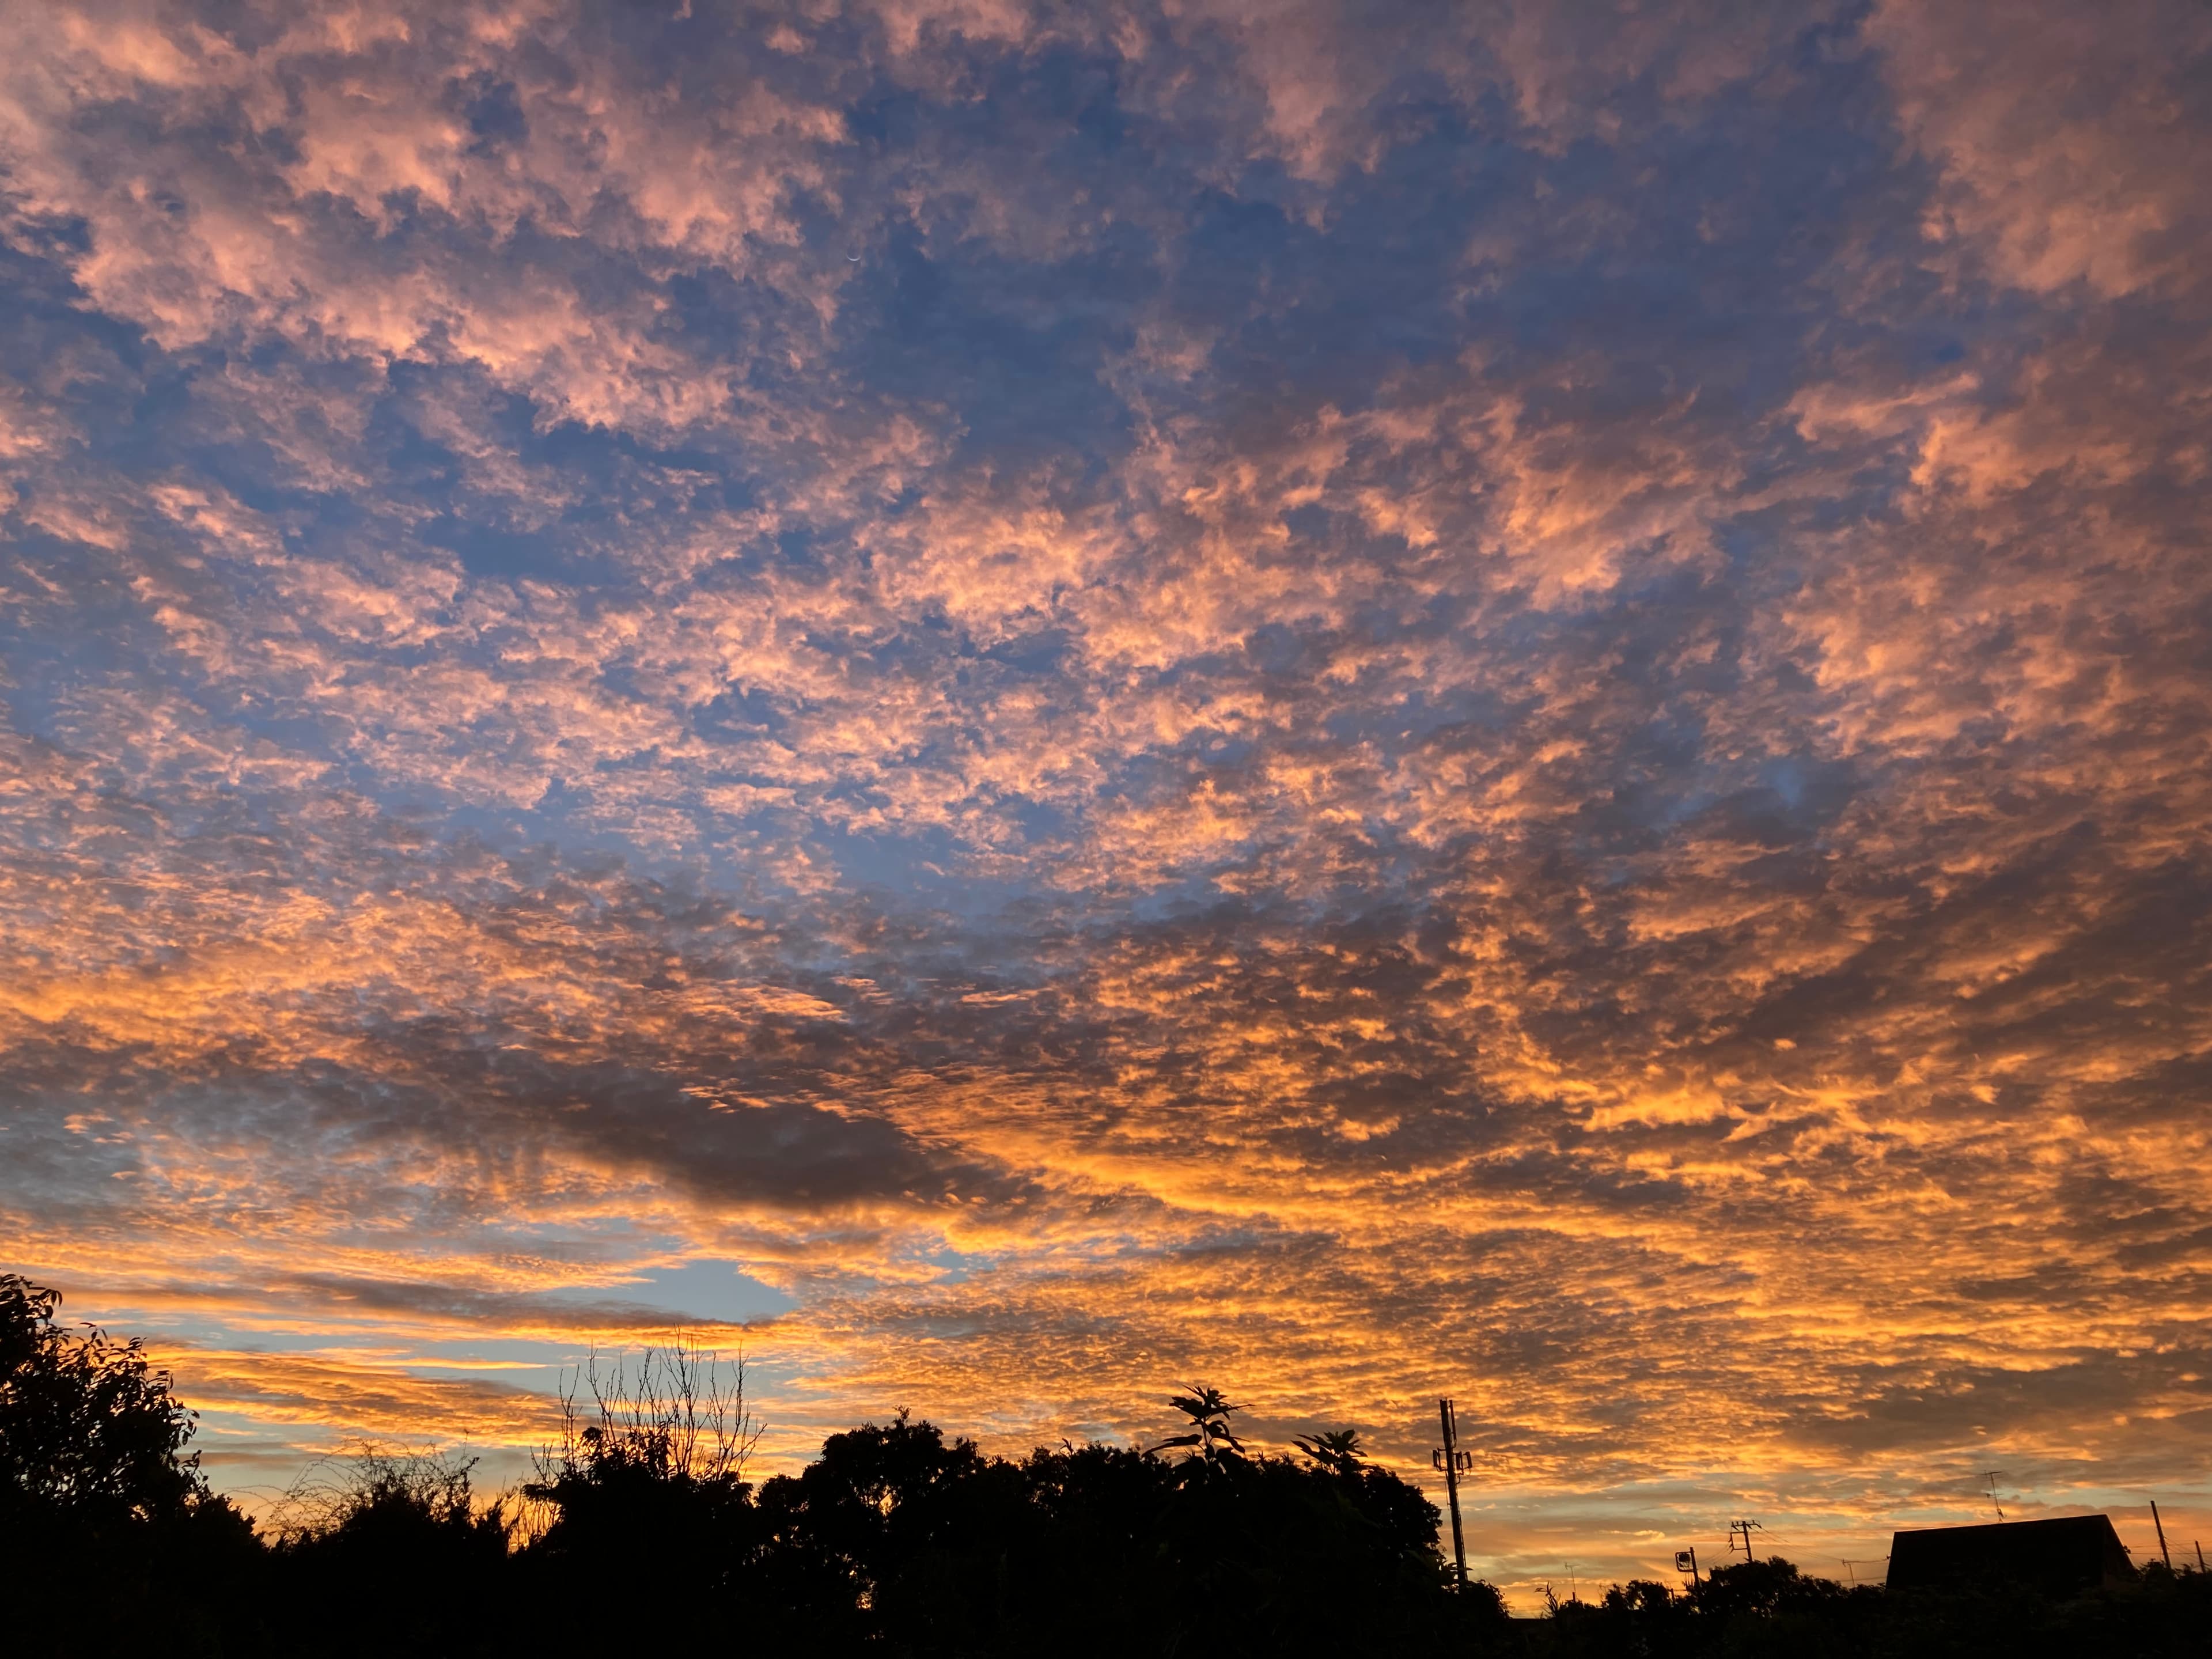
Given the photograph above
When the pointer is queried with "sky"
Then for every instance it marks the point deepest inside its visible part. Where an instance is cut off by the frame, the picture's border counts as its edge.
(1015, 702)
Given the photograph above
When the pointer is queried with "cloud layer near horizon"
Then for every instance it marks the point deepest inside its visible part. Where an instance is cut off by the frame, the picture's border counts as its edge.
(1370, 700)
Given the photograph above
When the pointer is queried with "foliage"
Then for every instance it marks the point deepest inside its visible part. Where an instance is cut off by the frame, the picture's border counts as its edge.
(1210, 1438)
(646, 1486)
(393, 1519)
(1336, 1449)
(894, 1543)
(87, 1426)
(102, 1510)
(1770, 1610)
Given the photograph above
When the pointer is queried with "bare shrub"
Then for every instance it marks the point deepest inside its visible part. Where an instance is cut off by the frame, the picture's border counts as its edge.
(679, 1412)
(334, 1491)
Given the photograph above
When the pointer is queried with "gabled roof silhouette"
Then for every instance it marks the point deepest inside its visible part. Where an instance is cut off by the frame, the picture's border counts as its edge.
(2060, 1556)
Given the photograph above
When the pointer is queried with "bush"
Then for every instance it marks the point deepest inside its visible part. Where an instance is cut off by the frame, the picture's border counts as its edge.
(104, 1520)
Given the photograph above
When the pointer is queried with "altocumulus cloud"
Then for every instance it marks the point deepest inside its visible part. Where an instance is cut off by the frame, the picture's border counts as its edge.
(1374, 700)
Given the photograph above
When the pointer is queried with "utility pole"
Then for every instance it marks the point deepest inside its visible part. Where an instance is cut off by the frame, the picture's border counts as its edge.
(1992, 1477)
(1744, 1528)
(1448, 1458)
(2160, 1525)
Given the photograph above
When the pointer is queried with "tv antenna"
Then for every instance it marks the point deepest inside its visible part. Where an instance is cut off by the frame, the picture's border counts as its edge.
(1991, 1479)
(1742, 1530)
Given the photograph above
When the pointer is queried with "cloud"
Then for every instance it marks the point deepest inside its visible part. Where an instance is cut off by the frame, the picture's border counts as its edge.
(2063, 142)
(1373, 705)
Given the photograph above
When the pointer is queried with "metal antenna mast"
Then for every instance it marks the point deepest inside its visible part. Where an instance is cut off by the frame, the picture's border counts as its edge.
(1452, 1460)
(1851, 1564)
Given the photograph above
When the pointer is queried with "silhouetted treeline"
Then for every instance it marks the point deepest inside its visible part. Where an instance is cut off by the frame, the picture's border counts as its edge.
(640, 1528)
(1768, 1609)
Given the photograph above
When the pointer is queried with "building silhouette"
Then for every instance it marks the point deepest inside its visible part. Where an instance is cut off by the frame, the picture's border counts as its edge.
(2060, 1556)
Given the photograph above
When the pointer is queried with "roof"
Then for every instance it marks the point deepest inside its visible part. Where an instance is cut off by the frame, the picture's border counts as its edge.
(2060, 1556)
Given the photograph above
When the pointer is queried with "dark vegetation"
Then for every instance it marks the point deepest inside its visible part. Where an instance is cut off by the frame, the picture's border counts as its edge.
(640, 1527)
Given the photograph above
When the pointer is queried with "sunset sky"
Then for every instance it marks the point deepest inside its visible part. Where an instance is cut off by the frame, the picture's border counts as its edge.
(1016, 702)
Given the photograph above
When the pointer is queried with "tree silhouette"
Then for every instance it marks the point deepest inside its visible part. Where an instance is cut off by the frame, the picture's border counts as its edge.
(897, 1542)
(1211, 1440)
(645, 1486)
(1335, 1450)
(103, 1513)
(680, 1414)
(401, 1521)
(87, 1426)
(852, 1535)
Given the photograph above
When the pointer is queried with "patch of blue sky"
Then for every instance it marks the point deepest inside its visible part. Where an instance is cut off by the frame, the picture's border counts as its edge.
(693, 1292)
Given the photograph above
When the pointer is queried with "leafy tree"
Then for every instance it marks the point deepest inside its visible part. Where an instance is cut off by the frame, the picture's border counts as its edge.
(1210, 1437)
(106, 1523)
(845, 1533)
(87, 1426)
(1762, 1588)
(1336, 1450)
(1100, 1570)
(407, 1522)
